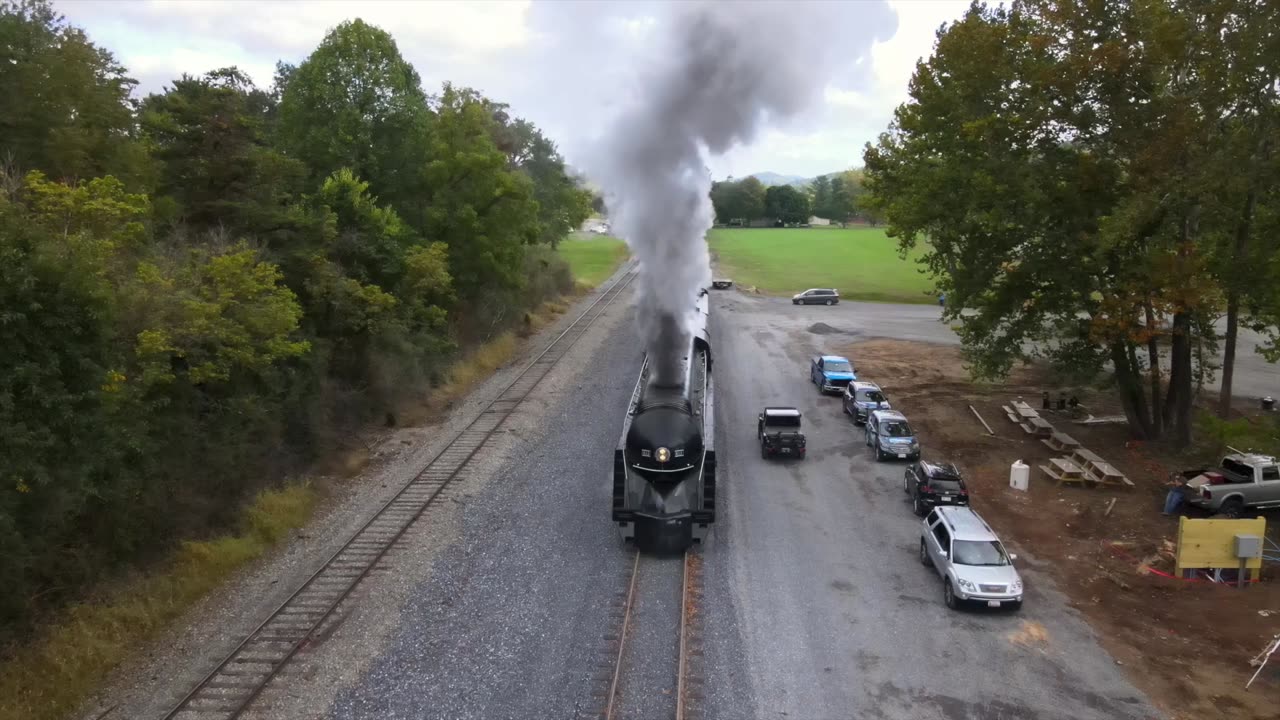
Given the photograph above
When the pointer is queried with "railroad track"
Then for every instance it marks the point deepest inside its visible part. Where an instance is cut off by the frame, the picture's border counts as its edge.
(232, 687)
(652, 670)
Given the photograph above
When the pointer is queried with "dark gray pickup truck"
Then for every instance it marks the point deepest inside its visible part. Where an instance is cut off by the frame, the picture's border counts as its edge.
(779, 431)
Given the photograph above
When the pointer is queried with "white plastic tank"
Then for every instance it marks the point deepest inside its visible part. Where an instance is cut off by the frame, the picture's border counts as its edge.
(1019, 476)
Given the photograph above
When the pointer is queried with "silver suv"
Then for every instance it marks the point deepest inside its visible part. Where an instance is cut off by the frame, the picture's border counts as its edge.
(973, 563)
(890, 435)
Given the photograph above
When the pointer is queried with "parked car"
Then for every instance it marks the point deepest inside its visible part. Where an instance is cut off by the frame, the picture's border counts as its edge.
(861, 397)
(722, 283)
(831, 372)
(778, 429)
(1242, 480)
(890, 435)
(816, 296)
(972, 561)
(932, 484)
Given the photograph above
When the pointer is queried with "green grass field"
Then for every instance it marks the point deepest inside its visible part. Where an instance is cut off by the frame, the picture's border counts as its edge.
(862, 263)
(592, 258)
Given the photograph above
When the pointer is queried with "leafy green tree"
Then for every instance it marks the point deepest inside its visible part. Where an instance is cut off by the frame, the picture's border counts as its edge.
(1071, 220)
(481, 209)
(57, 334)
(563, 204)
(210, 136)
(786, 204)
(1011, 212)
(356, 103)
(820, 197)
(751, 198)
(67, 110)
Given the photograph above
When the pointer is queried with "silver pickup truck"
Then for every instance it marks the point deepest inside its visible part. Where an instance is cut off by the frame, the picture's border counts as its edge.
(1240, 481)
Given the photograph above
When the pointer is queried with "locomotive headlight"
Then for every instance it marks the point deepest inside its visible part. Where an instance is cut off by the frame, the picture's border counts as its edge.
(663, 455)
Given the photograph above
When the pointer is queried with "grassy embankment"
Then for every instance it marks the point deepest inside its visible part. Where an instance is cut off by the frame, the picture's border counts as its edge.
(592, 258)
(52, 674)
(862, 263)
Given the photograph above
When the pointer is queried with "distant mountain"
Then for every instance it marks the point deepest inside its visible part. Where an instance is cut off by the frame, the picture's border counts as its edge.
(773, 178)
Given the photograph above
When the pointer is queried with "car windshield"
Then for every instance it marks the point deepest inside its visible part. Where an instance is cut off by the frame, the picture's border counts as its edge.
(895, 429)
(839, 366)
(873, 396)
(781, 421)
(978, 552)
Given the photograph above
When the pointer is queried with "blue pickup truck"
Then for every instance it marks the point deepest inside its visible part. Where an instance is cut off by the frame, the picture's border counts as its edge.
(831, 373)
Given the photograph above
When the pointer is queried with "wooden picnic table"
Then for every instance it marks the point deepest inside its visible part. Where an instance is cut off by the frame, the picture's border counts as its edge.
(1063, 470)
(1083, 456)
(1038, 426)
(1107, 474)
(1061, 442)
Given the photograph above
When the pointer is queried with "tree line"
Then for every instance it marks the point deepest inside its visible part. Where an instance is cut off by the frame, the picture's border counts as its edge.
(1099, 184)
(838, 197)
(206, 288)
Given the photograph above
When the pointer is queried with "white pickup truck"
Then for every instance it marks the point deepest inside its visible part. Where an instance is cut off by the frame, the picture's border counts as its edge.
(1240, 481)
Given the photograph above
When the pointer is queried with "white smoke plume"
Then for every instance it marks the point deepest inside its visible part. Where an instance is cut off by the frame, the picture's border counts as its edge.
(728, 69)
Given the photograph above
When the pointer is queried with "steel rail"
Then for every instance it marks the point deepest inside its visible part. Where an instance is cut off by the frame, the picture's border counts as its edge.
(612, 699)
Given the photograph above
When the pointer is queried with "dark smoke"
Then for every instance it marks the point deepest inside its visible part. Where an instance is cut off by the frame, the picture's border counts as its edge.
(727, 70)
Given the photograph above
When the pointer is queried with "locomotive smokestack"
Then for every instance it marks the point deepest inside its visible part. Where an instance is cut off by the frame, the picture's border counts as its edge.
(718, 73)
(667, 347)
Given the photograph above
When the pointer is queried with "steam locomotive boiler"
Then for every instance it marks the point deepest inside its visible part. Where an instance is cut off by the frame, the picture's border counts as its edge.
(664, 467)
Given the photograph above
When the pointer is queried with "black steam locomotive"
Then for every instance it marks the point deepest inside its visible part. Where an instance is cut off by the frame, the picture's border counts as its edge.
(664, 467)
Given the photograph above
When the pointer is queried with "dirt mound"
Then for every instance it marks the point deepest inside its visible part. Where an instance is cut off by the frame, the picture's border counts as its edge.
(822, 328)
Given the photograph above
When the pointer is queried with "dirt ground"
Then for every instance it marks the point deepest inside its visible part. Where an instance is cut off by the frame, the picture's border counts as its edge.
(1188, 645)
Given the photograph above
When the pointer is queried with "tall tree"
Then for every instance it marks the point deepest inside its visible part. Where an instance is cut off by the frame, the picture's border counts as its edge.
(210, 136)
(786, 204)
(821, 197)
(477, 205)
(356, 103)
(67, 110)
(1003, 159)
(563, 204)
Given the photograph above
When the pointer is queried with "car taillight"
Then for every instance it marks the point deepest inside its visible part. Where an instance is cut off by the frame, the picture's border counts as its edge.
(926, 489)
(964, 492)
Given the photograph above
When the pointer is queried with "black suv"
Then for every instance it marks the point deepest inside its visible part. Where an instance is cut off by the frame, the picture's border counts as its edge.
(932, 484)
(778, 429)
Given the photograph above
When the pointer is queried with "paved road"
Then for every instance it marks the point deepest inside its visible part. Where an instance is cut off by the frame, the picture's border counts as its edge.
(815, 605)
(1254, 377)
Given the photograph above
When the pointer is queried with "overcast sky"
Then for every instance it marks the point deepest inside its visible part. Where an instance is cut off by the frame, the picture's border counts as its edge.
(566, 65)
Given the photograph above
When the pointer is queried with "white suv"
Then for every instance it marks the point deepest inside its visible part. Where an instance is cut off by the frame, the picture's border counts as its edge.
(973, 563)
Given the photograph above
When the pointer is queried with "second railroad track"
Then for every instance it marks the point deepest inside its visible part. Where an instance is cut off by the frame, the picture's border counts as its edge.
(230, 689)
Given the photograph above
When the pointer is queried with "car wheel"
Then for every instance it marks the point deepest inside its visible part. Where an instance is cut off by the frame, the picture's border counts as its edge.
(764, 454)
(831, 302)
(917, 506)
(949, 595)
(795, 302)
(844, 408)
(1015, 606)
(1231, 508)
(906, 487)
(924, 554)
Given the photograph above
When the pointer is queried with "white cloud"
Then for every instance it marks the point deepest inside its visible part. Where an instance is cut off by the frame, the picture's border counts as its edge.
(565, 65)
